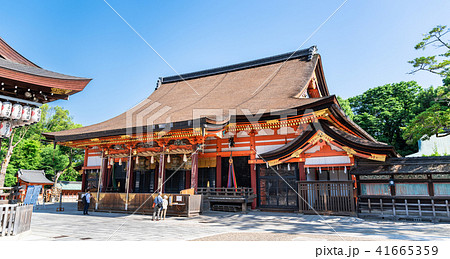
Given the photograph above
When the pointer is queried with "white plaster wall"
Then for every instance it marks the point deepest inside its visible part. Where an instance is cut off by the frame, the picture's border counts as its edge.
(428, 147)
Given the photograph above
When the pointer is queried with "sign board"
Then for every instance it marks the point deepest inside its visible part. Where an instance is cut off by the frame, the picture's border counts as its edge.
(32, 195)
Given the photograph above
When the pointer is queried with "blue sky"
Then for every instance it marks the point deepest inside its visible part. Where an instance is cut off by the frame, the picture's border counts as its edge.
(364, 45)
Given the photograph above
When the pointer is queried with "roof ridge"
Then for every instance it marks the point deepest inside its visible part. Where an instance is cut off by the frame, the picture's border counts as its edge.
(309, 53)
(19, 59)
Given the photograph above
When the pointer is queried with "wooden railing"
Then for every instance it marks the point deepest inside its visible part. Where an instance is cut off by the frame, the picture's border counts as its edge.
(409, 207)
(15, 219)
(326, 197)
(244, 192)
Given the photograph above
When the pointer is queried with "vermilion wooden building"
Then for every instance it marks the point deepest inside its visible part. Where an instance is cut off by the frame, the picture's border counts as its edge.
(274, 116)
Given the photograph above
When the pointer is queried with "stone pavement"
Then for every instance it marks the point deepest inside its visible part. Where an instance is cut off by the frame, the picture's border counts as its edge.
(47, 224)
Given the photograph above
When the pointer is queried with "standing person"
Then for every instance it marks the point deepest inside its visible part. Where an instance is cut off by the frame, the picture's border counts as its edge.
(86, 201)
(165, 202)
(157, 205)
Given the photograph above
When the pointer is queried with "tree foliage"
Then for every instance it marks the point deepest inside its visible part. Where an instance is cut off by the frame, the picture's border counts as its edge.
(438, 64)
(33, 153)
(345, 105)
(434, 119)
(382, 111)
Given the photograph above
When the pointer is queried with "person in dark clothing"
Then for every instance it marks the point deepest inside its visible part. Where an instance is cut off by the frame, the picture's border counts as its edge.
(86, 202)
(157, 206)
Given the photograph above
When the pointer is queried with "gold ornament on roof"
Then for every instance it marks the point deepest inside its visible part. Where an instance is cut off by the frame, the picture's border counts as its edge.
(320, 135)
(60, 91)
(377, 157)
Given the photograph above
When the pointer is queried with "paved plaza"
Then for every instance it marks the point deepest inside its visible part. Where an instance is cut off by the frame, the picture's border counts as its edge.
(47, 225)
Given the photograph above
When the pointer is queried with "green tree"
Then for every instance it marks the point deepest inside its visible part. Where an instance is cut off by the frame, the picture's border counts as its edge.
(434, 120)
(345, 105)
(17, 135)
(382, 111)
(433, 117)
(26, 149)
(58, 119)
(437, 64)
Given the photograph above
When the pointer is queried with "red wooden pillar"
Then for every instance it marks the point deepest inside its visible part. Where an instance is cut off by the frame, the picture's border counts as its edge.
(194, 171)
(83, 175)
(108, 182)
(218, 164)
(253, 182)
(155, 178)
(188, 179)
(104, 169)
(301, 171)
(161, 172)
(253, 166)
(83, 181)
(218, 171)
(131, 180)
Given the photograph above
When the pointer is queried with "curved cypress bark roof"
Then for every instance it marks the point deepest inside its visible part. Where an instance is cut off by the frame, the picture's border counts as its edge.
(257, 86)
(15, 68)
(7, 52)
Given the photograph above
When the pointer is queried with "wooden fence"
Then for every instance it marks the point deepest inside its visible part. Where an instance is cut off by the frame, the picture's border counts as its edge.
(408, 207)
(179, 204)
(330, 197)
(15, 219)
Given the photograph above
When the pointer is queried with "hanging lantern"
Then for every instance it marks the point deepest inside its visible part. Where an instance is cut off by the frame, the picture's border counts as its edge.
(137, 160)
(152, 160)
(4, 128)
(6, 109)
(168, 158)
(26, 113)
(16, 111)
(9, 132)
(320, 170)
(111, 161)
(307, 170)
(184, 158)
(35, 115)
(289, 167)
(332, 169)
(345, 170)
(120, 161)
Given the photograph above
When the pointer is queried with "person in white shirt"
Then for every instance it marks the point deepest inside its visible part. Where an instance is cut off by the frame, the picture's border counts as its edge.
(86, 201)
(165, 203)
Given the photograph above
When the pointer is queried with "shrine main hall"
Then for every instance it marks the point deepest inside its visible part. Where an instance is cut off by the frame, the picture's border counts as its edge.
(273, 119)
